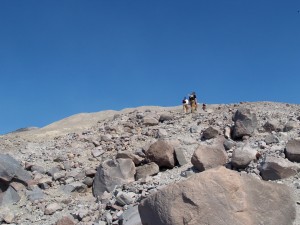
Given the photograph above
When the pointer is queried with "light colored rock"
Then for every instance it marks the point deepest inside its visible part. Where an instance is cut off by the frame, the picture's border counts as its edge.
(52, 208)
(219, 196)
(181, 159)
(207, 157)
(149, 169)
(9, 217)
(162, 133)
(150, 121)
(272, 125)
(124, 199)
(242, 156)
(66, 220)
(227, 132)
(129, 155)
(271, 139)
(96, 152)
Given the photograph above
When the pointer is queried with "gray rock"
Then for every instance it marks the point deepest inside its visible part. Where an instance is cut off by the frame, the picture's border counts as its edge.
(44, 183)
(207, 157)
(124, 199)
(11, 169)
(112, 173)
(59, 175)
(272, 125)
(75, 187)
(194, 129)
(245, 123)
(271, 139)
(241, 157)
(60, 158)
(96, 152)
(88, 181)
(9, 196)
(66, 220)
(161, 133)
(53, 170)
(149, 169)
(273, 168)
(165, 117)
(150, 121)
(140, 115)
(35, 194)
(106, 138)
(131, 216)
(52, 208)
(209, 133)
(180, 156)
(289, 126)
(129, 155)
(38, 169)
(292, 150)
(229, 144)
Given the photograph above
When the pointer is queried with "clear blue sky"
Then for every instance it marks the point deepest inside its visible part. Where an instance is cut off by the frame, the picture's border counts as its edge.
(62, 57)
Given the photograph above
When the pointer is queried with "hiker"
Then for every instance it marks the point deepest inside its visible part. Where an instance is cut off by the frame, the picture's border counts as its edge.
(193, 102)
(185, 103)
(204, 107)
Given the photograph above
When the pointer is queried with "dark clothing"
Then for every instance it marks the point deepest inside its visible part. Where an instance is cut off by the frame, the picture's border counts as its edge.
(192, 97)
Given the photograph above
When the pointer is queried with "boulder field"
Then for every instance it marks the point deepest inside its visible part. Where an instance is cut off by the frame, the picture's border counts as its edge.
(230, 164)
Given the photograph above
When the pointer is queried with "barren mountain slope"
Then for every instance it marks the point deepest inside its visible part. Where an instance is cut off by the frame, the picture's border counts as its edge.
(64, 154)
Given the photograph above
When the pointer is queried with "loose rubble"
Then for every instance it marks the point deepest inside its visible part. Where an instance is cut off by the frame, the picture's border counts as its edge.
(109, 167)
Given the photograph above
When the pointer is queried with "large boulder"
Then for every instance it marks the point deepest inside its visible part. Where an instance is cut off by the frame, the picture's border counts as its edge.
(112, 173)
(13, 178)
(245, 123)
(220, 197)
(242, 156)
(10, 169)
(206, 157)
(273, 168)
(162, 153)
(292, 150)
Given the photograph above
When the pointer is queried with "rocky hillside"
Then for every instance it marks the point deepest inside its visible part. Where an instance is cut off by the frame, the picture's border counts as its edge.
(231, 164)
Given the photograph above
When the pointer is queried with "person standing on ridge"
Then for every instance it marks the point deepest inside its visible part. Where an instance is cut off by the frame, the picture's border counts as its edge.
(185, 103)
(193, 102)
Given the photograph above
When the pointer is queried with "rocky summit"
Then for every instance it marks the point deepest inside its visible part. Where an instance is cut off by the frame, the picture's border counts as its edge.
(230, 164)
